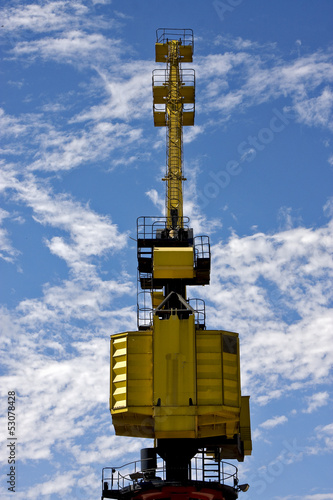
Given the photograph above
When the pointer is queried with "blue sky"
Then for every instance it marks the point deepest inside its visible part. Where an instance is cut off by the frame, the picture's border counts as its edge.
(81, 160)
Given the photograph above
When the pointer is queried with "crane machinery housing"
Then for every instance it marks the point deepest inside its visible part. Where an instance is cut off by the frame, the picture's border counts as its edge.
(173, 380)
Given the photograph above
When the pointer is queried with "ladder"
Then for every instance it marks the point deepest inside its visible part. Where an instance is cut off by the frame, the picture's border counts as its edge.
(211, 468)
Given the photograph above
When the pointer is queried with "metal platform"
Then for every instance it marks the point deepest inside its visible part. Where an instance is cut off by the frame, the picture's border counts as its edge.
(206, 475)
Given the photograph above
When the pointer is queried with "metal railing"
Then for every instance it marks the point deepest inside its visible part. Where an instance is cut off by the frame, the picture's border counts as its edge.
(150, 227)
(201, 247)
(160, 77)
(130, 474)
(185, 36)
(145, 311)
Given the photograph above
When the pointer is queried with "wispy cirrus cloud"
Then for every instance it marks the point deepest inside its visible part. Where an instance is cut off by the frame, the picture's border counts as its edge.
(275, 290)
(64, 151)
(7, 251)
(257, 79)
(73, 47)
(316, 401)
(273, 422)
(90, 234)
(128, 94)
(50, 17)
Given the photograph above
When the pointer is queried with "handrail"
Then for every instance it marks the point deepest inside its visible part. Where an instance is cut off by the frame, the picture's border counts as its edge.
(185, 35)
(130, 474)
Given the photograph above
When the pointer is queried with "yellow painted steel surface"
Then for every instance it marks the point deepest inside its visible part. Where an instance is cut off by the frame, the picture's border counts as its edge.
(131, 382)
(173, 93)
(173, 263)
(156, 298)
(174, 377)
(161, 52)
(218, 383)
(175, 381)
(174, 112)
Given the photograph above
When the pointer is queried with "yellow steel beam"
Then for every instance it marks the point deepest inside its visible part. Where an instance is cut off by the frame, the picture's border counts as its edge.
(174, 117)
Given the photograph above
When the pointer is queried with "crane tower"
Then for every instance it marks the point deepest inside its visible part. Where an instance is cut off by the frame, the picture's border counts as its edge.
(173, 380)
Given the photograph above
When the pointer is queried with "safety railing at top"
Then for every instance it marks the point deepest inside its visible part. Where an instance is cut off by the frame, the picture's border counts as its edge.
(185, 36)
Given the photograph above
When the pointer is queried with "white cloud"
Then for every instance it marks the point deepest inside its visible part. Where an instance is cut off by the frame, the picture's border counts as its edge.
(85, 296)
(129, 93)
(328, 208)
(108, 448)
(53, 149)
(275, 290)
(157, 200)
(7, 251)
(191, 133)
(287, 219)
(317, 111)
(314, 496)
(60, 151)
(73, 47)
(325, 434)
(316, 401)
(273, 422)
(51, 17)
(10, 125)
(263, 78)
(90, 233)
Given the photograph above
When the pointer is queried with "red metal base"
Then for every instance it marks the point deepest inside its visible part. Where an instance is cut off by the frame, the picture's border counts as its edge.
(187, 493)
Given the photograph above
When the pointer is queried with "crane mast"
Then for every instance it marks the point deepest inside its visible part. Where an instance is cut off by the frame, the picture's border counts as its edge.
(173, 380)
(174, 177)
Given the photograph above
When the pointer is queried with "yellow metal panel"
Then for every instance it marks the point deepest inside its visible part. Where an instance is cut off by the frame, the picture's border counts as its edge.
(186, 53)
(157, 298)
(161, 52)
(188, 118)
(140, 369)
(131, 392)
(139, 393)
(133, 424)
(160, 119)
(187, 94)
(217, 370)
(176, 263)
(209, 368)
(191, 390)
(174, 361)
(175, 422)
(118, 377)
(160, 93)
(231, 370)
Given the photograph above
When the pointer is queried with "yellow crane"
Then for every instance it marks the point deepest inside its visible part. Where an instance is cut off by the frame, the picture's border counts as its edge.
(173, 380)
